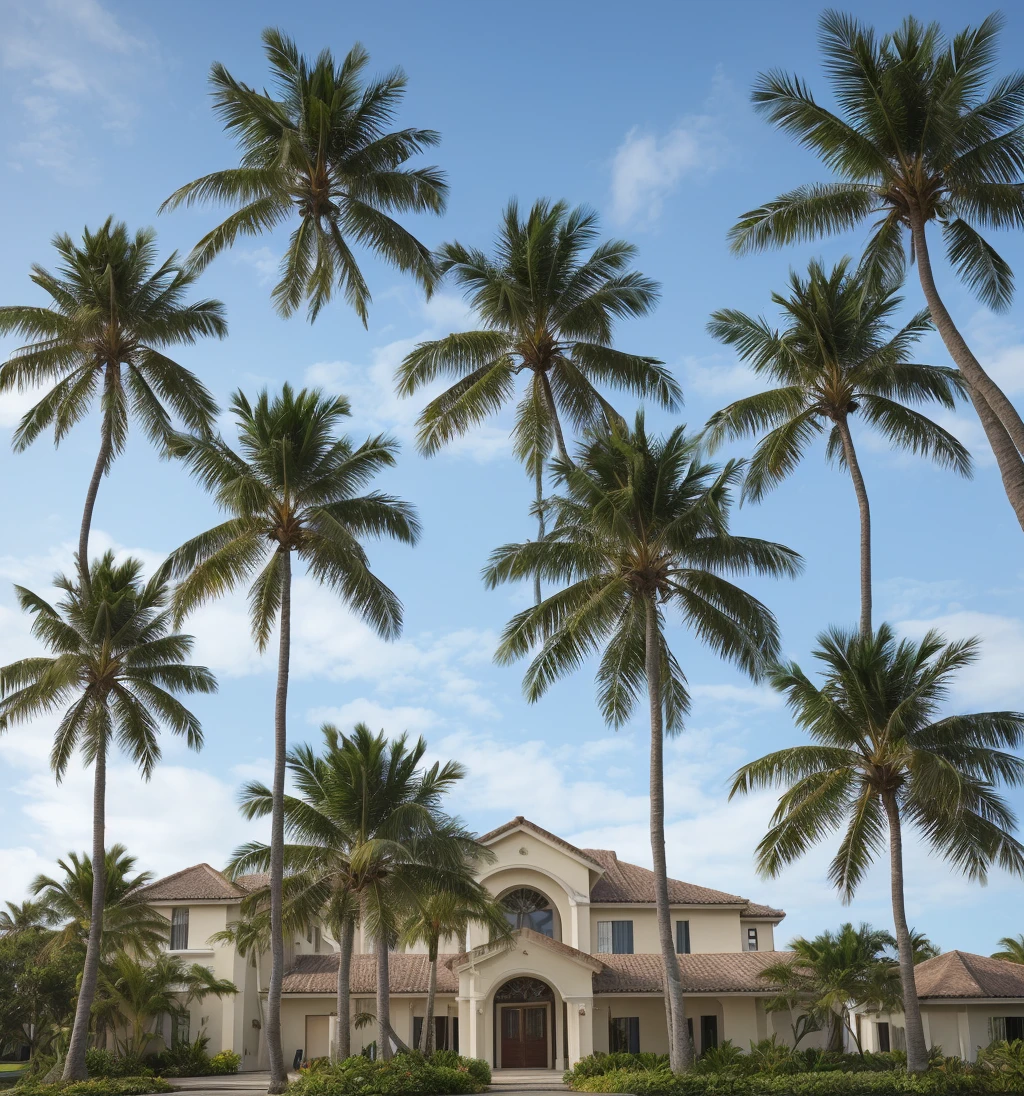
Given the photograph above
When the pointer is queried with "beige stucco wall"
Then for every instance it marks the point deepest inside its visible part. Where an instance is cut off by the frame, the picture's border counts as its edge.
(765, 935)
(957, 1027)
(711, 930)
(740, 1019)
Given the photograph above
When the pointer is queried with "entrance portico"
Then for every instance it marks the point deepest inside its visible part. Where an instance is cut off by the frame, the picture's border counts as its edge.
(527, 1005)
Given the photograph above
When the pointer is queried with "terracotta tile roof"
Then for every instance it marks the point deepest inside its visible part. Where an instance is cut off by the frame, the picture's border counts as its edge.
(519, 820)
(708, 972)
(530, 937)
(625, 882)
(961, 974)
(754, 909)
(200, 883)
(407, 974)
(251, 883)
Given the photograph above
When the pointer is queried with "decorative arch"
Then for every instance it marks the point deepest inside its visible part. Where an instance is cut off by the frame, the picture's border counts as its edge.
(529, 908)
(524, 988)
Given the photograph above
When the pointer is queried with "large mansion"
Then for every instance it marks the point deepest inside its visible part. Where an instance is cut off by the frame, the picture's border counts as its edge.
(584, 974)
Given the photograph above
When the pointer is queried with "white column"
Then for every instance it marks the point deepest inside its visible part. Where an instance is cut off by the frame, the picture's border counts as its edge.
(581, 1028)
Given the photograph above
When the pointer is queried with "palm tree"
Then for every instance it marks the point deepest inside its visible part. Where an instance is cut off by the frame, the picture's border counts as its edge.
(1012, 949)
(114, 670)
(838, 356)
(547, 309)
(28, 916)
(137, 995)
(882, 759)
(115, 310)
(835, 971)
(643, 525)
(292, 488)
(322, 150)
(920, 139)
(438, 915)
(129, 924)
(921, 947)
(367, 826)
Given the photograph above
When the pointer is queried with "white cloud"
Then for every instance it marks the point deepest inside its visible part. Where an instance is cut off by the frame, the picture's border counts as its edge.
(719, 378)
(999, 346)
(14, 404)
(737, 696)
(264, 261)
(647, 167)
(392, 720)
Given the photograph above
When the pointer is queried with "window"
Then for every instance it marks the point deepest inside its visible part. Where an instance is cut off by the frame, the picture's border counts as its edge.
(615, 937)
(751, 939)
(528, 909)
(179, 928)
(1006, 1028)
(882, 1031)
(180, 1029)
(446, 1032)
(624, 1034)
(683, 937)
(708, 1033)
(316, 940)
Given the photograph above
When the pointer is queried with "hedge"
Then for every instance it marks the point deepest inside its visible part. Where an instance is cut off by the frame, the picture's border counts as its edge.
(98, 1086)
(403, 1075)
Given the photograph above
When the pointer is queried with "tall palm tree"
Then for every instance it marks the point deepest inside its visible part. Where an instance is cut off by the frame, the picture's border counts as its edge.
(115, 310)
(642, 526)
(548, 309)
(322, 150)
(129, 923)
(116, 666)
(21, 917)
(367, 824)
(291, 489)
(835, 971)
(883, 759)
(921, 138)
(1012, 949)
(439, 915)
(838, 356)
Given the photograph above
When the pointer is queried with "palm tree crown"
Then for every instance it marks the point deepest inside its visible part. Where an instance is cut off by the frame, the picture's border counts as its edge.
(642, 518)
(115, 311)
(292, 487)
(322, 149)
(548, 308)
(838, 355)
(129, 924)
(1011, 949)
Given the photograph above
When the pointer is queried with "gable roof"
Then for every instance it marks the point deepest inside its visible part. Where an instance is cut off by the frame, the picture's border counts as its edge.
(408, 974)
(959, 974)
(629, 883)
(200, 883)
(701, 972)
(521, 823)
(485, 951)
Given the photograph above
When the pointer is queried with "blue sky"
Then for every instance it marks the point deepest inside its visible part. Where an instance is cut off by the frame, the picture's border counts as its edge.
(647, 119)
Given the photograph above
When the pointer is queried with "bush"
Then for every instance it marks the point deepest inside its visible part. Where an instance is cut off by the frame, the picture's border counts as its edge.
(477, 1068)
(403, 1075)
(890, 1082)
(1003, 1063)
(192, 1060)
(227, 1061)
(595, 1065)
(105, 1063)
(98, 1086)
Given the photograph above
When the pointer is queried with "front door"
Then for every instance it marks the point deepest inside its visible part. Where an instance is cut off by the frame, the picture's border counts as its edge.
(524, 1037)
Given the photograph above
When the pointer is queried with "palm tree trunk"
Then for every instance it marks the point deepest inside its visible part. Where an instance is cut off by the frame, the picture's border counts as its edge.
(917, 1052)
(999, 418)
(343, 1043)
(539, 473)
(383, 998)
(427, 1036)
(100, 467)
(675, 1011)
(865, 525)
(74, 1065)
(278, 1071)
(556, 426)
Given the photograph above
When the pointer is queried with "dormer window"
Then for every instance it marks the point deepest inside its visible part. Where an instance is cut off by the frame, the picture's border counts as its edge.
(529, 909)
(752, 939)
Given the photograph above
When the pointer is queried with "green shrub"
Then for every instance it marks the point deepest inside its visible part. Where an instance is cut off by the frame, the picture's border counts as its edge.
(192, 1060)
(105, 1063)
(403, 1075)
(478, 1069)
(227, 1061)
(98, 1086)
(594, 1065)
(1003, 1064)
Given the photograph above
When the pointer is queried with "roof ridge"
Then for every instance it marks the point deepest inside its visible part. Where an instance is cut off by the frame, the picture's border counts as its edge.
(522, 820)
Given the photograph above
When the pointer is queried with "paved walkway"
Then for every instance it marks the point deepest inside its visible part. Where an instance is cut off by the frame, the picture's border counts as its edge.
(239, 1084)
(511, 1081)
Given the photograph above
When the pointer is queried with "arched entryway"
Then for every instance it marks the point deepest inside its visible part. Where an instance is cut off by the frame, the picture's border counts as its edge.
(524, 1024)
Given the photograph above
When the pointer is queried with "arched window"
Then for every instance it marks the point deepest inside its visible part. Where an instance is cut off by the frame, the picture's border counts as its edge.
(529, 909)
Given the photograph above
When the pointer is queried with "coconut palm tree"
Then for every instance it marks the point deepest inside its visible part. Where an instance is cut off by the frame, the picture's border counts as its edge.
(920, 139)
(548, 309)
(323, 151)
(115, 668)
(367, 825)
(439, 915)
(1011, 949)
(838, 356)
(136, 995)
(921, 947)
(129, 923)
(24, 917)
(115, 310)
(827, 976)
(642, 527)
(882, 759)
(292, 489)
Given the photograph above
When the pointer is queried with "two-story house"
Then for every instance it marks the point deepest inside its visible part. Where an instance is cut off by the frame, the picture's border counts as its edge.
(584, 974)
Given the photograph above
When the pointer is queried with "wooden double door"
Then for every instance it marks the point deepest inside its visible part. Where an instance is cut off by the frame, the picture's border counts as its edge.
(524, 1037)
